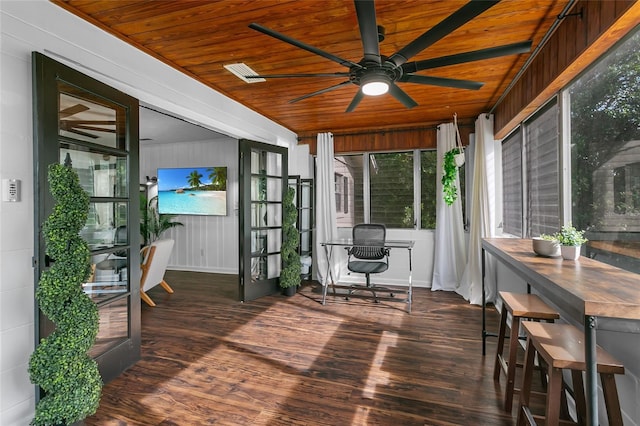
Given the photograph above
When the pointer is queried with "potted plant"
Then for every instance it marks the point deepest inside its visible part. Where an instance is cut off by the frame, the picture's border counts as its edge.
(546, 245)
(290, 275)
(69, 378)
(450, 166)
(570, 240)
(153, 224)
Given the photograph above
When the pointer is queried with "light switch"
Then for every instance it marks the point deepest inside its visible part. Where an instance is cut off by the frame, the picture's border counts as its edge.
(11, 190)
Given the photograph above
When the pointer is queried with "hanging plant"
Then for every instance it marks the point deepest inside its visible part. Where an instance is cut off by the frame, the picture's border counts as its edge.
(69, 378)
(450, 176)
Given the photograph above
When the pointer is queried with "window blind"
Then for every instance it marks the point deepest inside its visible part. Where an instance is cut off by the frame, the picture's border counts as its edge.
(542, 175)
(512, 184)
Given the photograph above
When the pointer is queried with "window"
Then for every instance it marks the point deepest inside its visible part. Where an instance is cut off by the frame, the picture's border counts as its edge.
(531, 185)
(619, 190)
(428, 176)
(512, 184)
(349, 178)
(342, 193)
(626, 189)
(389, 180)
(605, 155)
(339, 191)
(601, 115)
(543, 184)
(391, 189)
(345, 187)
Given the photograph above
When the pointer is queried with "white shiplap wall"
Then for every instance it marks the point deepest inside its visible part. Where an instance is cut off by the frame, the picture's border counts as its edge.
(27, 26)
(204, 243)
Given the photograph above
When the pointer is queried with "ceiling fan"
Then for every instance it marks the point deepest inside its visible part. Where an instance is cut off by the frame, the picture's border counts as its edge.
(377, 74)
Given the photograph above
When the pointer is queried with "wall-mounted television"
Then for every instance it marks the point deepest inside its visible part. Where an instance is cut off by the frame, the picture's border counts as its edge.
(193, 191)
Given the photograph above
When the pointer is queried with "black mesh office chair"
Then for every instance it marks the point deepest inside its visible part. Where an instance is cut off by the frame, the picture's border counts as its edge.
(118, 259)
(368, 255)
(120, 239)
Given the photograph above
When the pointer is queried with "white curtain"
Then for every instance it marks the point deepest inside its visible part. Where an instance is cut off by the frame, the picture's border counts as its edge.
(483, 202)
(450, 256)
(326, 225)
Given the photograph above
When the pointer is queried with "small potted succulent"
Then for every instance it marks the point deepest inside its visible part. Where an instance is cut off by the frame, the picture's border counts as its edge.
(570, 240)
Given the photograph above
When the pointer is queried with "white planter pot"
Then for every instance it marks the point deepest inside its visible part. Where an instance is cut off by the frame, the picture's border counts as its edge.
(570, 252)
(545, 247)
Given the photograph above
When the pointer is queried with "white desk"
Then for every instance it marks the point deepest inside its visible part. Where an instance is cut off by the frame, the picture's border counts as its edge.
(389, 244)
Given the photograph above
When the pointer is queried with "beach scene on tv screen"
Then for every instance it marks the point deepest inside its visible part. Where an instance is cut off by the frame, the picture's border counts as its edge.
(193, 190)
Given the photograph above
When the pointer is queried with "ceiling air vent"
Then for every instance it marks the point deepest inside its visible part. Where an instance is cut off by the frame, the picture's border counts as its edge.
(240, 70)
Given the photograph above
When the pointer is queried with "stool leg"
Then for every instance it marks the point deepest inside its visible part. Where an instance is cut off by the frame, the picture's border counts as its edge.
(511, 364)
(526, 382)
(503, 325)
(578, 393)
(554, 388)
(611, 400)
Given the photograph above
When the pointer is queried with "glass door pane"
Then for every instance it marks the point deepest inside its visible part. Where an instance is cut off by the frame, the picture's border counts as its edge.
(86, 117)
(93, 129)
(262, 191)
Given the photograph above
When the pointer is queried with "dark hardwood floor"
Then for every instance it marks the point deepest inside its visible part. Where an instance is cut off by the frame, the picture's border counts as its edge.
(208, 359)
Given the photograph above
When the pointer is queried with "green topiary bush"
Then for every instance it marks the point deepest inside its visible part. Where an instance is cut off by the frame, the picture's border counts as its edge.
(290, 275)
(60, 365)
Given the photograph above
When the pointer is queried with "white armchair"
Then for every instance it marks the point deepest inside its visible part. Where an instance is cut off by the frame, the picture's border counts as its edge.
(155, 258)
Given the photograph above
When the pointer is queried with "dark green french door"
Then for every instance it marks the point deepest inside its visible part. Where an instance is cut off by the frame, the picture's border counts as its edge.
(263, 182)
(94, 128)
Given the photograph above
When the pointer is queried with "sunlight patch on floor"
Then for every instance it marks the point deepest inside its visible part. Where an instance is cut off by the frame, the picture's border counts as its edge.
(270, 331)
(361, 416)
(377, 376)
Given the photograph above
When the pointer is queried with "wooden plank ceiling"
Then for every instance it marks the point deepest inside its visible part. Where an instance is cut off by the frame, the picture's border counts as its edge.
(199, 37)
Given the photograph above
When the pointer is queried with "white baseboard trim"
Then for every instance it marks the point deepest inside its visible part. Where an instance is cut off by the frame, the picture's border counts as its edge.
(227, 271)
(343, 280)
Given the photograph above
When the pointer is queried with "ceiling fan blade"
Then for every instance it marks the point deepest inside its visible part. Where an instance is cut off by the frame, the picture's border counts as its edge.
(332, 74)
(319, 92)
(476, 55)
(402, 96)
(366, 12)
(95, 129)
(72, 110)
(355, 101)
(81, 133)
(448, 25)
(302, 45)
(77, 122)
(441, 81)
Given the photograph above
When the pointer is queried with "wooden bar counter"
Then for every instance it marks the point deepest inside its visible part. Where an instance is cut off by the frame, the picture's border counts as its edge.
(593, 293)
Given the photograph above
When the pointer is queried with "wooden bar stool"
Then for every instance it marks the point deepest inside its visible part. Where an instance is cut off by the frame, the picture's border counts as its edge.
(561, 346)
(521, 306)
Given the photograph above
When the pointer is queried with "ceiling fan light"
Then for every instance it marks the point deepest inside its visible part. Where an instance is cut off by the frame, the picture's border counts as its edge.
(374, 83)
(375, 88)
